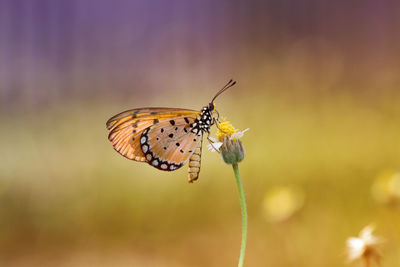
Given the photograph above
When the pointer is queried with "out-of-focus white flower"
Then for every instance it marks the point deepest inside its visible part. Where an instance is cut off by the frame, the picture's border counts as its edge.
(363, 246)
(281, 203)
(386, 188)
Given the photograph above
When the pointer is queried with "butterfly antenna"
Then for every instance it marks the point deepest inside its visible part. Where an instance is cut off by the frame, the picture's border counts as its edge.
(228, 85)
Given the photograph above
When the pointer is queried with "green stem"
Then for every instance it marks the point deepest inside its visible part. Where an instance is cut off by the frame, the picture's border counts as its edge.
(244, 213)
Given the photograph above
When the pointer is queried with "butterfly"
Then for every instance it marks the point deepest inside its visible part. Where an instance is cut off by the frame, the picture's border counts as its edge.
(165, 138)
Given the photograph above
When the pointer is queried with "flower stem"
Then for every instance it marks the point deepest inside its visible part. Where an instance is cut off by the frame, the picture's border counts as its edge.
(244, 213)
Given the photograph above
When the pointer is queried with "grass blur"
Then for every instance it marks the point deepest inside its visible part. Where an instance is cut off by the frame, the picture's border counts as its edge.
(68, 199)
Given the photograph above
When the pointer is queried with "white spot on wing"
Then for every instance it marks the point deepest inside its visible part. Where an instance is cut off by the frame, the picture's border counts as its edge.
(143, 140)
(145, 148)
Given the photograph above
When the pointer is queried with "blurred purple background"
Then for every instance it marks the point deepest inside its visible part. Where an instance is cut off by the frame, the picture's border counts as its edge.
(53, 50)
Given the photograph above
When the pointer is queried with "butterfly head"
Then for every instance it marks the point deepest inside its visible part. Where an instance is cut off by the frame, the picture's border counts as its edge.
(211, 106)
(206, 118)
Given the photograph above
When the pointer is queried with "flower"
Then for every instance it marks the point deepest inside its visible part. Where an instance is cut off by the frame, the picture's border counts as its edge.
(364, 246)
(228, 143)
(282, 202)
(225, 129)
(232, 152)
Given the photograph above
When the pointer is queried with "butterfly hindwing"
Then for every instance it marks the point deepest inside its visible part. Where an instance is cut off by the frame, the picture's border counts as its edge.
(169, 144)
(125, 138)
(127, 127)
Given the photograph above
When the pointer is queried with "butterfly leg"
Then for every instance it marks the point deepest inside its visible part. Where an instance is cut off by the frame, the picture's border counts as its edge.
(212, 143)
(216, 121)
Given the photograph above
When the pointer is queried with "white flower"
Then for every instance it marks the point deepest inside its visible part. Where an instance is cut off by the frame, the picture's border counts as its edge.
(364, 245)
(238, 135)
(215, 145)
(386, 188)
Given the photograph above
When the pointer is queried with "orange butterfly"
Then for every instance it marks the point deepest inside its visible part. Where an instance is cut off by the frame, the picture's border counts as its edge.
(165, 138)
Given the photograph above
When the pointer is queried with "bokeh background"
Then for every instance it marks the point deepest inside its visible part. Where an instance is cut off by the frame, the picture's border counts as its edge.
(318, 86)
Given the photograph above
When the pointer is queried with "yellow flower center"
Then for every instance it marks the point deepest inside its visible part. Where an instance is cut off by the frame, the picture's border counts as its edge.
(225, 129)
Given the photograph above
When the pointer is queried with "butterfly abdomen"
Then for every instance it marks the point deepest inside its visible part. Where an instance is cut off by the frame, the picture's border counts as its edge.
(194, 165)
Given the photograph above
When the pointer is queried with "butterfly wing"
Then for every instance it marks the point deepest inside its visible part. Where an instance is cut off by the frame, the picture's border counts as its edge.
(127, 127)
(169, 144)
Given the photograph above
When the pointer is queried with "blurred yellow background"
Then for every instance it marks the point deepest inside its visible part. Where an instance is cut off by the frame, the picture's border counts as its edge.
(318, 86)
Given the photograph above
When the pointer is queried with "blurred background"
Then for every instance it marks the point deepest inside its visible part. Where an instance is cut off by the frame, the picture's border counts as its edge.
(318, 86)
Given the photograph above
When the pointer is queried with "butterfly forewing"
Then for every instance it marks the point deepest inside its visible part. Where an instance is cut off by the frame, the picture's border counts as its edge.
(148, 113)
(127, 127)
(168, 144)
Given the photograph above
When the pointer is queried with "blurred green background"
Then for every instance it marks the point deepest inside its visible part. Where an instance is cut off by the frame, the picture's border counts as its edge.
(318, 86)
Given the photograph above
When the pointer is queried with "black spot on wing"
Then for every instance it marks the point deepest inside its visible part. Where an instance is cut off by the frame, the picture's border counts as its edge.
(172, 122)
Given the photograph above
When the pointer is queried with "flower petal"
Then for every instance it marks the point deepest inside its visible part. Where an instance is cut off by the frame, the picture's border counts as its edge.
(238, 135)
(214, 146)
(213, 139)
(367, 236)
(355, 248)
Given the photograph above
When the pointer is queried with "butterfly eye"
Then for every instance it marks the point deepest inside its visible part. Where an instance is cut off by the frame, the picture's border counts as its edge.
(211, 106)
